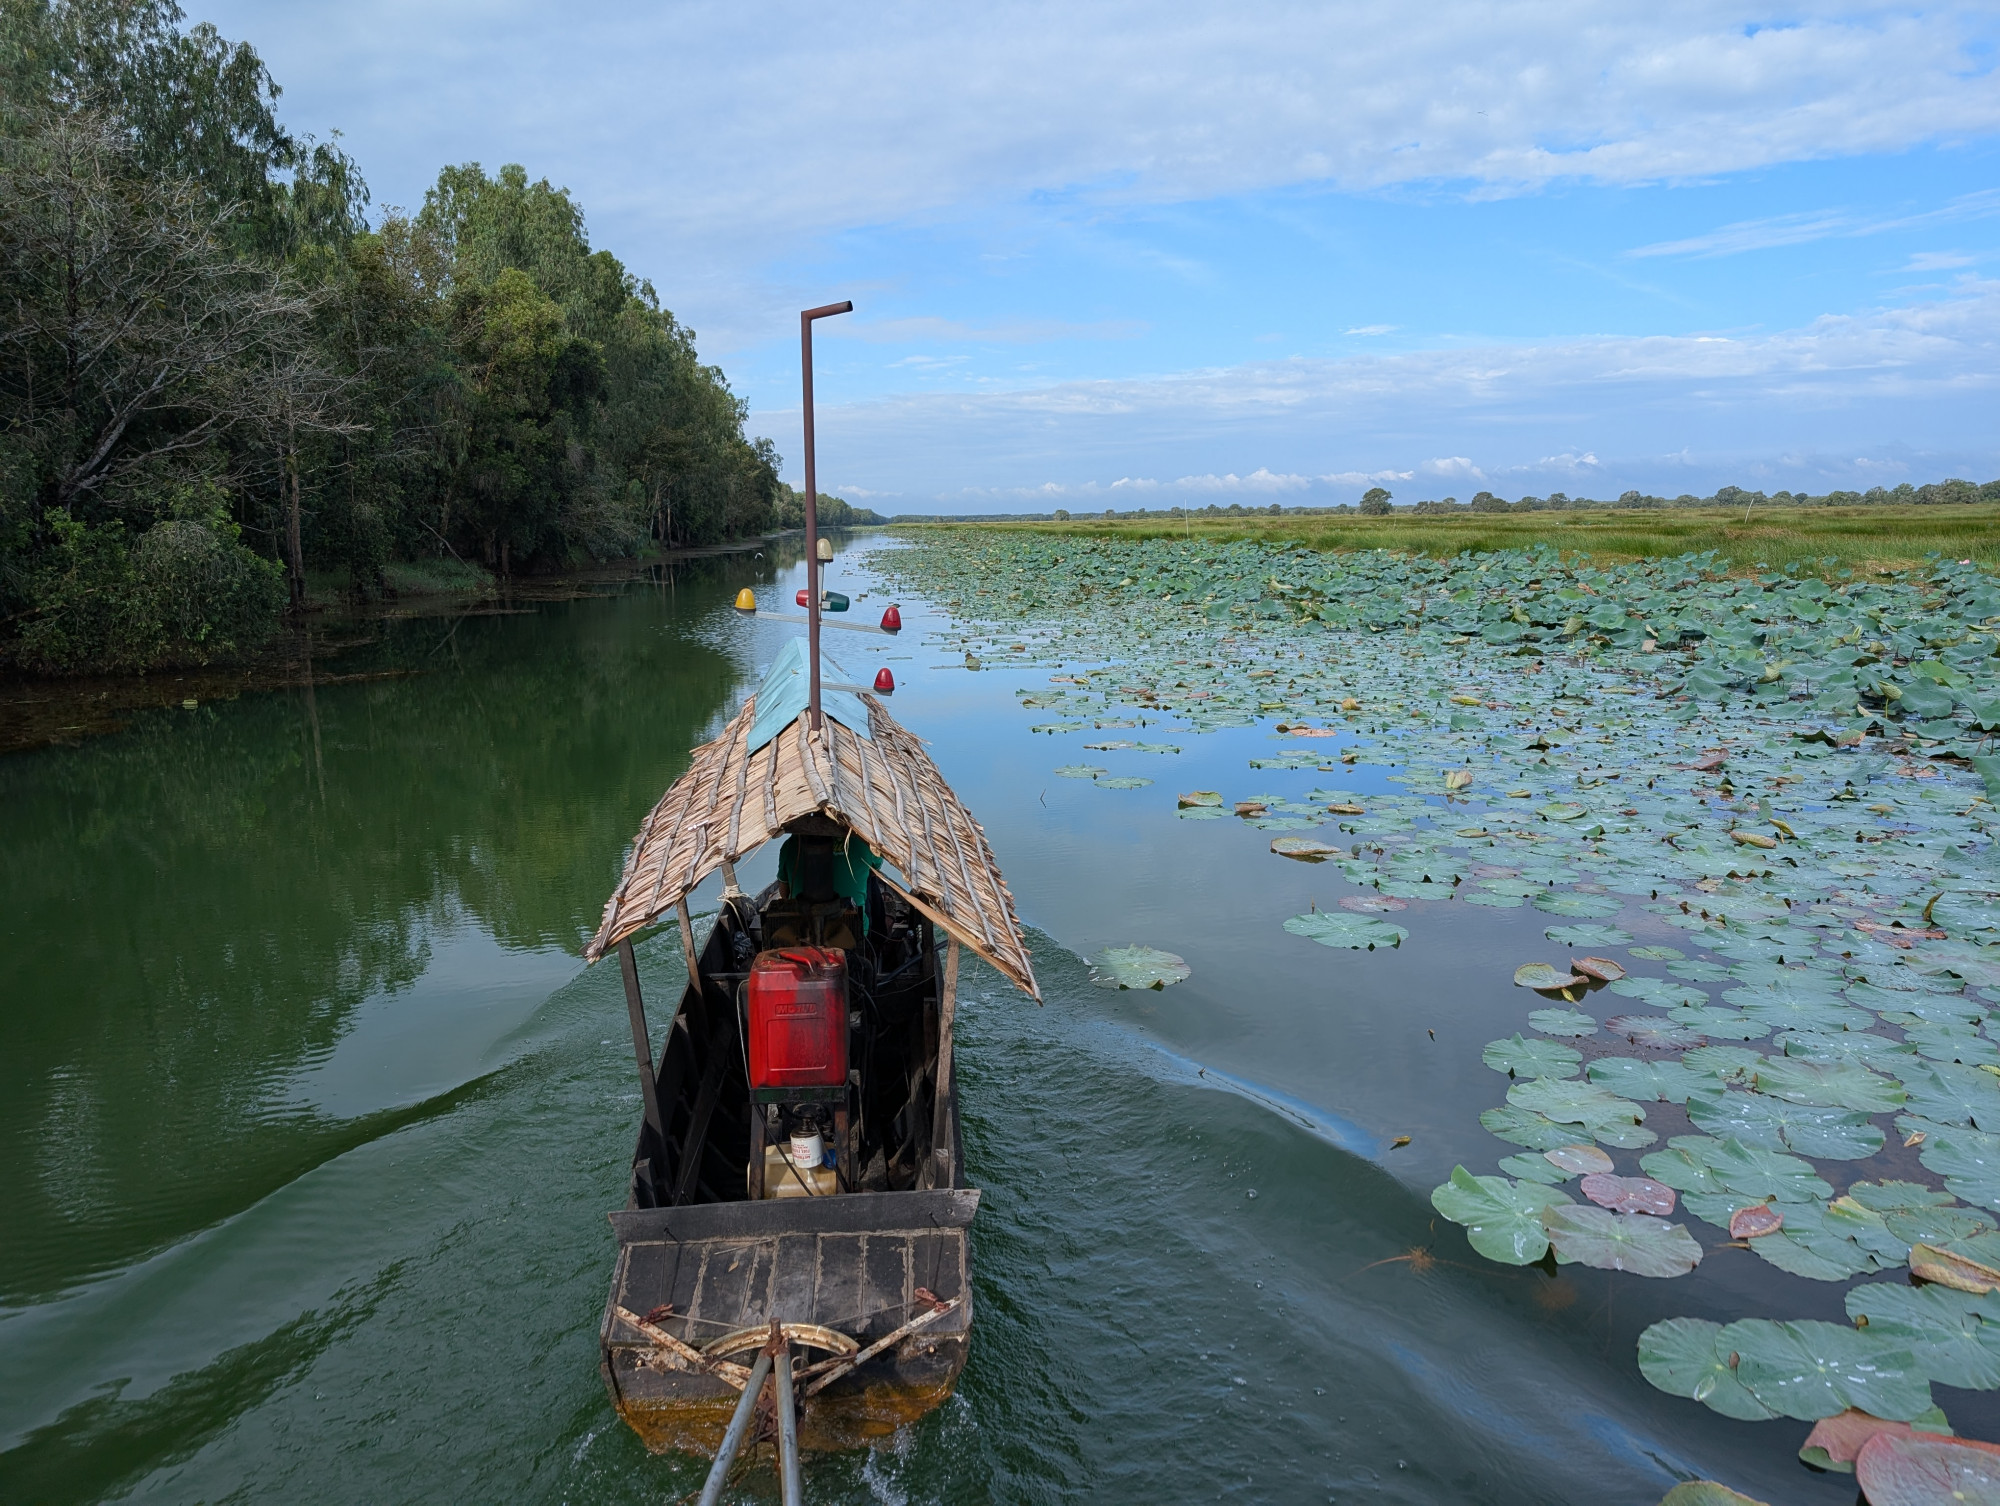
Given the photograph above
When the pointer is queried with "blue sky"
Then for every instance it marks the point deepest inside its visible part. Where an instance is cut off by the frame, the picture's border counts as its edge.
(1146, 254)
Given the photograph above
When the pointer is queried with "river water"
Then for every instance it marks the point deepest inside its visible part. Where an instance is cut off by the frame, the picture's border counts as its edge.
(310, 1116)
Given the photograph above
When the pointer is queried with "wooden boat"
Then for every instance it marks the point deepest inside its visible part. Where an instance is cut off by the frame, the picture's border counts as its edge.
(865, 1264)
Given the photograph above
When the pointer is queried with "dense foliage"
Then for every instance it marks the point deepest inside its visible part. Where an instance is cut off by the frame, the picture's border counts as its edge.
(219, 378)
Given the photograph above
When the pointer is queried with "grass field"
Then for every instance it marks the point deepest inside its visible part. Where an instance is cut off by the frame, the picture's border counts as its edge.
(1877, 538)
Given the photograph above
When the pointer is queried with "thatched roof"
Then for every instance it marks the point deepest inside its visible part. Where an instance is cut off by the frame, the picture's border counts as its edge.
(883, 786)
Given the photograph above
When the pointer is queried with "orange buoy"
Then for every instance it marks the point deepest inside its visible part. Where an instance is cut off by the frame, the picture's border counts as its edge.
(746, 600)
(884, 681)
(892, 622)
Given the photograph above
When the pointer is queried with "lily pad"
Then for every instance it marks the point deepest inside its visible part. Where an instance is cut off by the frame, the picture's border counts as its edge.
(1587, 934)
(1665, 1082)
(1603, 969)
(1519, 1056)
(1201, 798)
(1564, 1022)
(1080, 771)
(1137, 967)
(1545, 979)
(1579, 906)
(1610, 1241)
(1809, 1370)
(1123, 782)
(1502, 1219)
(1373, 904)
(1526, 1128)
(1652, 1031)
(1826, 1133)
(1586, 1160)
(1629, 1194)
(1681, 1357)
(1657, 953)
(1954, 1335)
(1355, 932)
(1305, 849)
(1846, 1085)
(1913, 1470)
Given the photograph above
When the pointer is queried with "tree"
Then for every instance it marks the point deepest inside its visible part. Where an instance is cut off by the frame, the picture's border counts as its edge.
(1487, 502)
(1375, 502)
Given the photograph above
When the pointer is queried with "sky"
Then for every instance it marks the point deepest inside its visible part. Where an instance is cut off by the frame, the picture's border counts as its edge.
(1145, 255)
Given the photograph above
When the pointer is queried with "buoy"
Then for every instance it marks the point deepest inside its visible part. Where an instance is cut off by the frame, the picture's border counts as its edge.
(892, 621)
(825, 550)
(885, 682)
(746, 600)
(832, 601)
(802, 599)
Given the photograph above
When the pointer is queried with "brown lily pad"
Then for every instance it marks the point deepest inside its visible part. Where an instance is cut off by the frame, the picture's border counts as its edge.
(1960, 1272)
(1755, 1221)
(1305, 849)
(1920, 1470)
(1629, 1194)
(1603, 969)
(1587, 1159)
(1544, 979)
(1373, 904)
(1835, 1441)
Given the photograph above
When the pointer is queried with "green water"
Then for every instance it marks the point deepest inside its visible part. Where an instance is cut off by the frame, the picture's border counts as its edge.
(310, 1116)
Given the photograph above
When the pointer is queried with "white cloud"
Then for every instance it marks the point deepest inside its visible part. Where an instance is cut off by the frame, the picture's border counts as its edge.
(730, 133)
(1798, 229)
(1920, 377)
(1373, 329)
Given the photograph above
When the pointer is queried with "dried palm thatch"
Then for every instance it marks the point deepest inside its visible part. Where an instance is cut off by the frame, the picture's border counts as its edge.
(884, 787)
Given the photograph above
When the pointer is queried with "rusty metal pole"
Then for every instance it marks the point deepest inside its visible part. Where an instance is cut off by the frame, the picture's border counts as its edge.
(806, 317)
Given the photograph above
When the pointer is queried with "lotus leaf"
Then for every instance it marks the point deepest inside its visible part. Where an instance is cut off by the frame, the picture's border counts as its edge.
(1502, 1219)
(1897, 1197)
(1532, 1168)
(1544, 978)
(1914, 1470)
(1732, 1064)
(1629, 1194)
(1574, 1103)
(1080, 771)
(1564, 1022)
(1645, 1030)
(1123, 782)
(1681, 1357)
(1633, 1242)
(1720, 1024)
(1954, 1335)
(1586, 1160)
(1137, 967)
(1846, 1085)
(1581, 906)
(1587, 934)
(1706, 1493)
(1750, 1171)
(1355, 932)
(1305, 849)
(1809, 1370)
(1667, 1082)
(1952, 1094)
(1657, 953)
(1833, 1134)
(1527, 1128)
(1518, 1056)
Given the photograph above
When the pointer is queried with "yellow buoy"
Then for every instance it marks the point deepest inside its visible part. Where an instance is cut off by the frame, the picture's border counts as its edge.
(746, 600)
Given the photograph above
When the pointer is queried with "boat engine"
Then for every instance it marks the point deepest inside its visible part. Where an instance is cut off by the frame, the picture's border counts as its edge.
(796, 1024)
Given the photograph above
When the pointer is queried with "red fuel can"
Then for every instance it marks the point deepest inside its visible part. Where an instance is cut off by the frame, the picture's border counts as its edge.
(797, 1003)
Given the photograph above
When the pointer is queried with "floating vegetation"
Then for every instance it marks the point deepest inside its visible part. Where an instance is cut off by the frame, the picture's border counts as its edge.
(1137, 967)
(1775, 789)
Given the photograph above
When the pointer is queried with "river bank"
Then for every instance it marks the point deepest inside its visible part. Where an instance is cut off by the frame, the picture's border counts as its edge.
(323, 645)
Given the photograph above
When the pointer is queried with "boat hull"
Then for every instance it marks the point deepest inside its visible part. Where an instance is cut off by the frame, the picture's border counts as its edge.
(853, 1263)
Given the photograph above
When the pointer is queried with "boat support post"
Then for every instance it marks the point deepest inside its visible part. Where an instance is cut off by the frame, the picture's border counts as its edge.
(739, 1424)
(687, 942)
(642, 1044)
(940, 1168)
(791, 1488)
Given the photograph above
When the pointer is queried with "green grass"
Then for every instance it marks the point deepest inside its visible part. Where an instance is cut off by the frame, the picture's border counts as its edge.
(1876, 538)
(435, 578)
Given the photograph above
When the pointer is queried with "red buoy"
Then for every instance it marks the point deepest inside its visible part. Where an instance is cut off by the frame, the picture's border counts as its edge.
(892, 622)
(884, 681)
(802, 599)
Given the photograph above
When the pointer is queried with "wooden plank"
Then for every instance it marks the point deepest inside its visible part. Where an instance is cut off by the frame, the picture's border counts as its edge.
(704, 1110)
(854, 1212)
(940, 1167)
(839, 1292)
(885, 1264)
(642, 1044)
(792, 1279)
(735, 1286)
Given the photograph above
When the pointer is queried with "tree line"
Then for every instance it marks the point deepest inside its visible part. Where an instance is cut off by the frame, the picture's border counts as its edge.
(219, 377)
(1379, 501)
